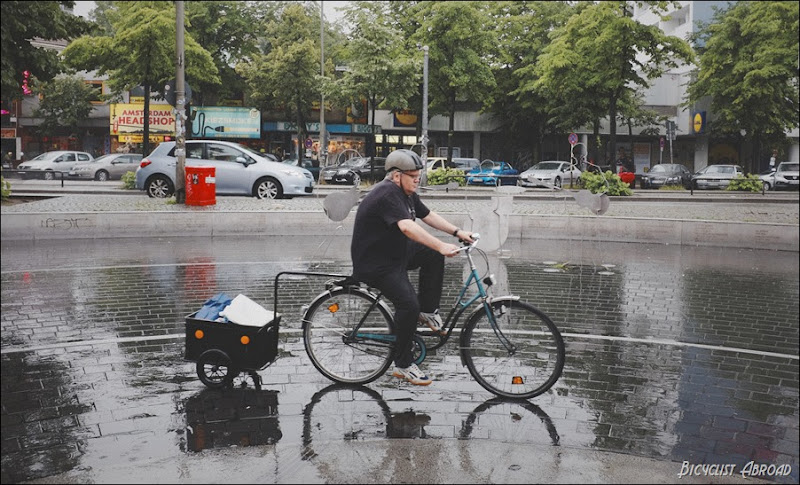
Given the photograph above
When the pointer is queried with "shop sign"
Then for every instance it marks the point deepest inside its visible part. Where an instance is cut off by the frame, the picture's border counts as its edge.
(129, 118)
(9, 132)
(366, 129)
(226, 122)
(140, 138)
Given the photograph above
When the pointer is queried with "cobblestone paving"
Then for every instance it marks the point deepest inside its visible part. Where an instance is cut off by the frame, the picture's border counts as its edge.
(775, 213)
(687, 354)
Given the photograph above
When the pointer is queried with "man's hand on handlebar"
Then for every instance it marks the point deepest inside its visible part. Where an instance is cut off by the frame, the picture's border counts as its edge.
(467, 240)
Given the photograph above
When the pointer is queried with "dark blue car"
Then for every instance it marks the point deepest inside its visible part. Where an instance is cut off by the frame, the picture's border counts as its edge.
(493, 173)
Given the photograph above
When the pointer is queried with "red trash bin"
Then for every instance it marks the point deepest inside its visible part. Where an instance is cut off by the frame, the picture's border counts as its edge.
(201, 186)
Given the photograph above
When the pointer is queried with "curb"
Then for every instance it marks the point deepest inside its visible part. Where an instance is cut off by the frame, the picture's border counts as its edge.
(34, 226)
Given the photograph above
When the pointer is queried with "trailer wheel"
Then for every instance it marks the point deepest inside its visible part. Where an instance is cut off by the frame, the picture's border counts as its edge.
(215, 369)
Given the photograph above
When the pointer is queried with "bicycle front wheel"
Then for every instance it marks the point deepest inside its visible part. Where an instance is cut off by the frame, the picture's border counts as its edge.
(521, 357)
(339, 351)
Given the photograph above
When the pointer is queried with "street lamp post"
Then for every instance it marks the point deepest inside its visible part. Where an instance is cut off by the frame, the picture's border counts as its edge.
(323, 146)
(180, 118)
(424, 137)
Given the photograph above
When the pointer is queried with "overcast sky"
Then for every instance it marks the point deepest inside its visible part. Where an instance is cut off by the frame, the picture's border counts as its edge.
(83, 8)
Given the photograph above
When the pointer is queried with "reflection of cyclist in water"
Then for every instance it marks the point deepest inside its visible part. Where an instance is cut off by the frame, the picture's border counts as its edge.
(387, 242)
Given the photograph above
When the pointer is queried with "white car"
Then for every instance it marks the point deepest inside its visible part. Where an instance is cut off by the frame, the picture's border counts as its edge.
(786, 176)
(551, 173)
(48, 164)
(238, 171)
(108, 167)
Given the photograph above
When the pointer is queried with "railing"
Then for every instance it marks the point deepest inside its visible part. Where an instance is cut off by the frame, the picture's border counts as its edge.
(35, 174)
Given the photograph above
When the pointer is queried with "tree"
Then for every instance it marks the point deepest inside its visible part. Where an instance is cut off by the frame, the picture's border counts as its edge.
(748, 66)
(225, 30)
(65, 102)
(22, 23)
(286, 72)
(141, 51)
(379, 66)
(521, 31)
(600, 59)
(459, 34)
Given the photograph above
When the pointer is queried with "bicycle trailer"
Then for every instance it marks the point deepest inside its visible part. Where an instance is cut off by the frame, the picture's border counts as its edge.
(238, 338)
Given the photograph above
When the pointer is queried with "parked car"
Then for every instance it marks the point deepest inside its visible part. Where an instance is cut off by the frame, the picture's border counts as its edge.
(784, 177)
(354, 170)
(464, 164)
(48, 164)
(493, 173)
(307, 164)
(667, 174)
(552, 173)
(238, 171)
(716, 176)
(107, 167)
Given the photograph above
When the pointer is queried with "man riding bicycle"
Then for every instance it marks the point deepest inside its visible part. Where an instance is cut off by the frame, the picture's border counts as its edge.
(387, 243)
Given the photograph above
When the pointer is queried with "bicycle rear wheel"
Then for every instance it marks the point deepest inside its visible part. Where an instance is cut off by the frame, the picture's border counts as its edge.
(330, 341)
(532, 366)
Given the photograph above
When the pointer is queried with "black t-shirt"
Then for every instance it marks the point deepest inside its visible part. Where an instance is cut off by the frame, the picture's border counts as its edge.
(378, 244)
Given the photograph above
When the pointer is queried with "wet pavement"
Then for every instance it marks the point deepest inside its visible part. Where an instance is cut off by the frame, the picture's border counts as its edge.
(676, 357)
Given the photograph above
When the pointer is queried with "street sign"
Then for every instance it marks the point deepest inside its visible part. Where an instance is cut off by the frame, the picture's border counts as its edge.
(308, 142)
(573, 138)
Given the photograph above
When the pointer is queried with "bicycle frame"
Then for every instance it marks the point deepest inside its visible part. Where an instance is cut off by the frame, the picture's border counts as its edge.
(461, 305)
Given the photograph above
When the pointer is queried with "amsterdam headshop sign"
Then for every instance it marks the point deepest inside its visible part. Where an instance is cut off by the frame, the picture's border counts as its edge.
(129, 118)
(226, 122)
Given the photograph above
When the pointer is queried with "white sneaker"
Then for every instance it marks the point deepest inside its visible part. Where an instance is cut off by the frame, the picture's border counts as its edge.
(412, 374)
(433, 321)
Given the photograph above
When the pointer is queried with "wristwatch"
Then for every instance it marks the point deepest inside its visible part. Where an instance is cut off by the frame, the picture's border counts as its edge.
(455, 233)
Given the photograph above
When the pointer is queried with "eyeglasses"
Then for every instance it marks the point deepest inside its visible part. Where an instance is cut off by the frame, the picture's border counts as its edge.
(415, 177)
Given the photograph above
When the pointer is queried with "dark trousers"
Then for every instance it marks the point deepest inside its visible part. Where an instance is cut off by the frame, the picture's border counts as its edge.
(396, 287)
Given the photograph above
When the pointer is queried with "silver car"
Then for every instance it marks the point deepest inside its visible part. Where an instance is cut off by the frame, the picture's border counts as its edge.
(785, 177)
(551, 173)
(107, 167)
(238, 171)
(716, 176)
(48, 164)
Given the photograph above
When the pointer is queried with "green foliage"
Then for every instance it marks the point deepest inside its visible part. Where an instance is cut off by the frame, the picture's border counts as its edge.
(66, 101)
(748, 183)
(141, 50)
(22, 22)
(596, 184)
(129, 180)
(5, 188)
(380, 68)
(672, 187)
(599, 62)
(443, 176)
(748, 67)
(459, 36)
(286, 75)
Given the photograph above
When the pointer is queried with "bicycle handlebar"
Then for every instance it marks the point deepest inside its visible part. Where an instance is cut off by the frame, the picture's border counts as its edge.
(469, 246)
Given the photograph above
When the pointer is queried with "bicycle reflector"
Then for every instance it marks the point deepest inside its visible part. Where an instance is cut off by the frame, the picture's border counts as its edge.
(333, 308)
(516, 380)
(198, 334)
(245, 340)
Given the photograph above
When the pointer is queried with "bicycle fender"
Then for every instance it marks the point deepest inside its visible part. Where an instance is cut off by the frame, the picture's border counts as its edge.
(383, 306)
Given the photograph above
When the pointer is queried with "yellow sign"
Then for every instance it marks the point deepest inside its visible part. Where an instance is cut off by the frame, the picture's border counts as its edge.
(129, 119)
(139, 138)
(697, 123)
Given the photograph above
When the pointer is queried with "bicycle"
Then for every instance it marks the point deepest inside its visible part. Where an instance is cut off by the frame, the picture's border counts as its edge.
(511, 348)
